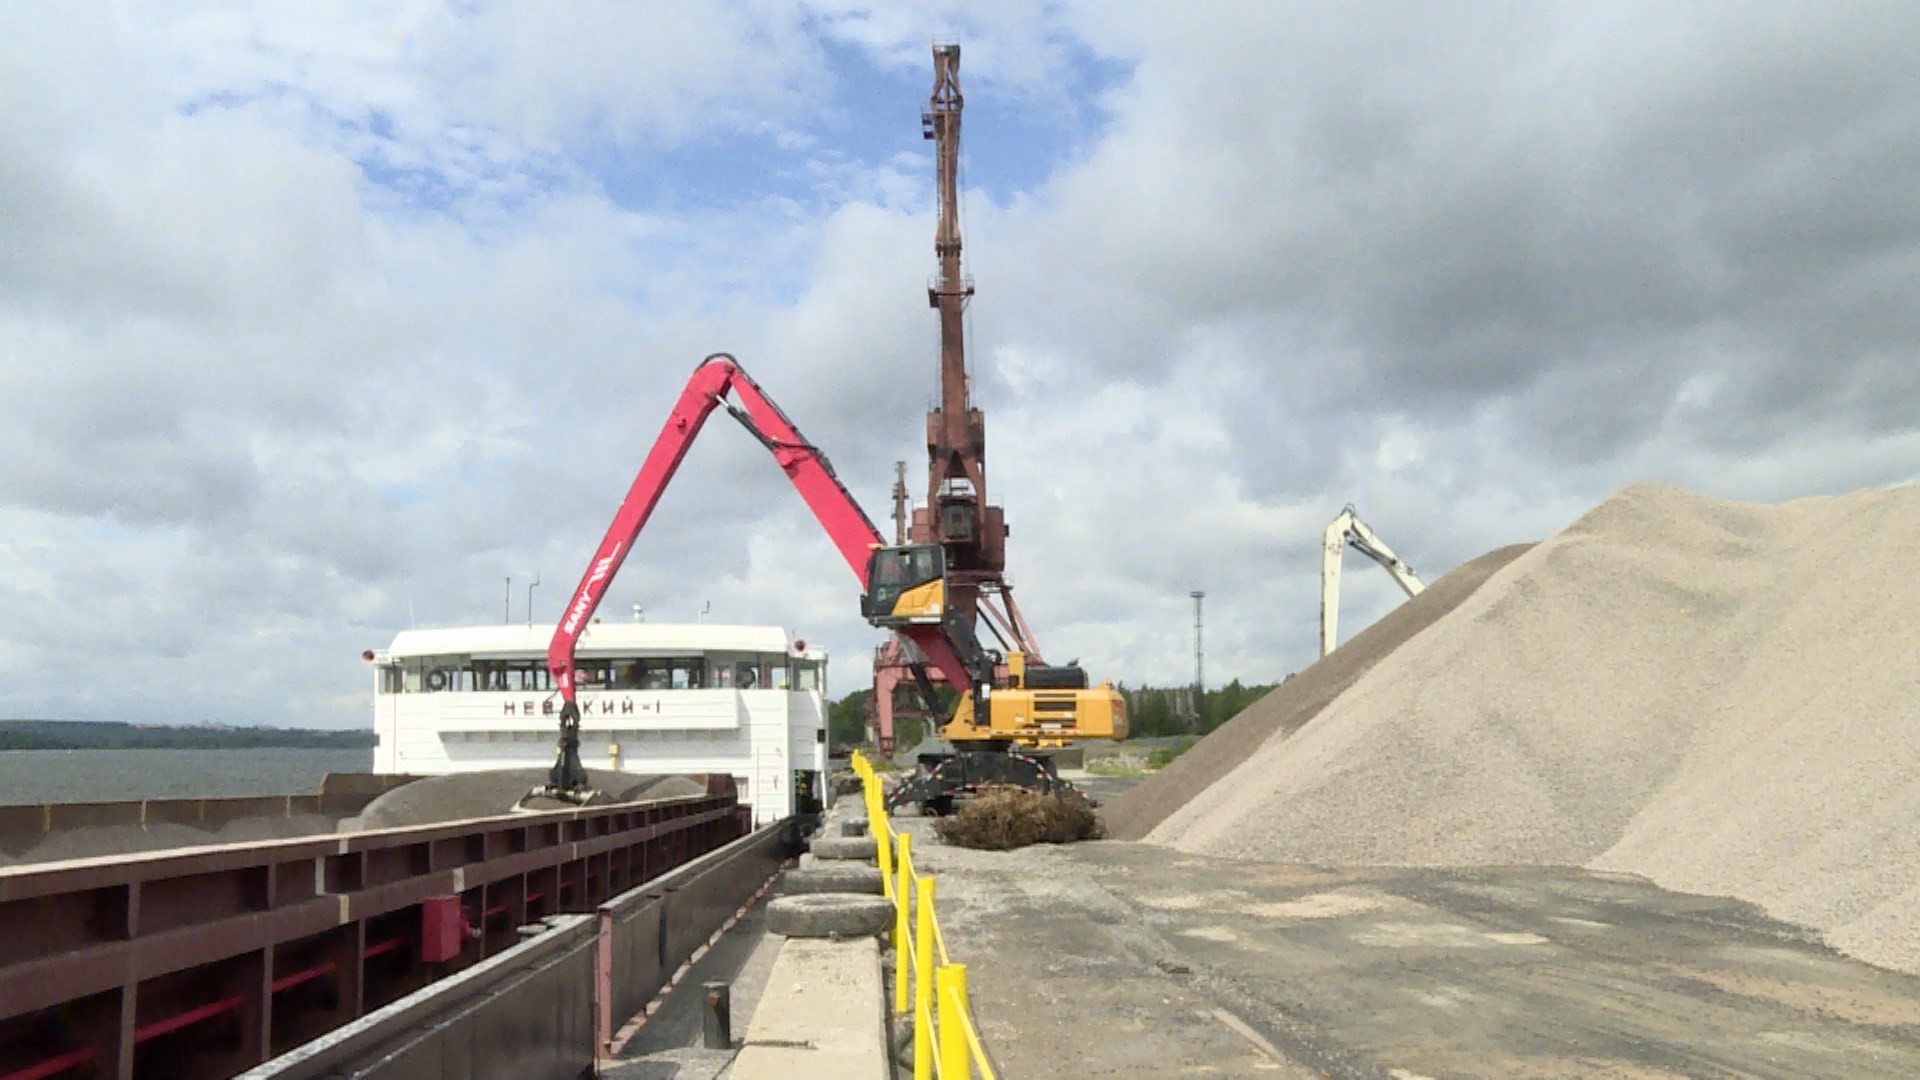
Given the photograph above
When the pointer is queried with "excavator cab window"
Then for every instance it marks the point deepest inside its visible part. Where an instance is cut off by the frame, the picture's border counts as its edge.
(895, 574)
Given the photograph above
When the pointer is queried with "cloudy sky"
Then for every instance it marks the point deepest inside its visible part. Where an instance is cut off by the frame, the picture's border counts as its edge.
(316, 327)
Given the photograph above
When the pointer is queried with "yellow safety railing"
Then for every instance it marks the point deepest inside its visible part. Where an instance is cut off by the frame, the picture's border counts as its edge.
(946, 1043)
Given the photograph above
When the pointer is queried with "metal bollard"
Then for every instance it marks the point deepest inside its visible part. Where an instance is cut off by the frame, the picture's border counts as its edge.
(716, 1021)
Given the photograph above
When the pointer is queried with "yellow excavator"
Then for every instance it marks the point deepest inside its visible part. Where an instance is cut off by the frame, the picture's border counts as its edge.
(1033, 706)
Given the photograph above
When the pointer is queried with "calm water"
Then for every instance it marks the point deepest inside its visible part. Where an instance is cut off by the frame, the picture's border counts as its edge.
(34, 776)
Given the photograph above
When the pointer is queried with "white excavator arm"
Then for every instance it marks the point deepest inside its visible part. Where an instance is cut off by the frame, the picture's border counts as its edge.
(1348, 529)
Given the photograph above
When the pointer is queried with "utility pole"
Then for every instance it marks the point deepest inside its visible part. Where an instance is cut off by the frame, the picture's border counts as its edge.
(1199, 658)
(899, 503)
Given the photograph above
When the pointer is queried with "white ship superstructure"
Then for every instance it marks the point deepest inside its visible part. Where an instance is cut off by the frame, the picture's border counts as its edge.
(654, 698)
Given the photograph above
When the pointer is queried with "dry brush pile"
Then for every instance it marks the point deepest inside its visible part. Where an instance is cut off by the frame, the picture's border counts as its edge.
(1003, 818)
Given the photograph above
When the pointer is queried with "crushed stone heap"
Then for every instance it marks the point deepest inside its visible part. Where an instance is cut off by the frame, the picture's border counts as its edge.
(1283, 710)
(1724, 697)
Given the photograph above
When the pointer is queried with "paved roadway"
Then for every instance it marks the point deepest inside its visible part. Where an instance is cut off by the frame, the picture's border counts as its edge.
(1115, 959)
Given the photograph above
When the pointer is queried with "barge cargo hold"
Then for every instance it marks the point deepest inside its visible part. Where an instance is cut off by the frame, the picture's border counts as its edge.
(203, 962)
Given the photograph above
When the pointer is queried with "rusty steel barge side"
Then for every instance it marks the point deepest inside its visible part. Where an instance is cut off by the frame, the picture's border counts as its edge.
(207, 961)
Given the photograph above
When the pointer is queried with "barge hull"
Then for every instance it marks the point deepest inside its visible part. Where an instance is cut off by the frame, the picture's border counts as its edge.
(207, 961)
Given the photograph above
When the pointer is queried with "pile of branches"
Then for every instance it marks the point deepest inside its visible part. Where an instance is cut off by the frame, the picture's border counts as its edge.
(1003, 818)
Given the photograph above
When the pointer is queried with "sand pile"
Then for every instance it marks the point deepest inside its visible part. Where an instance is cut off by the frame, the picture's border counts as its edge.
(496, 791)
(1291, 704)
(114, 840)
(1722, 696)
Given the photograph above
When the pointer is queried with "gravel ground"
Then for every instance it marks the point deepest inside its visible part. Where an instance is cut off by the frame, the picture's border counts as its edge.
(1294, 702)
(1714, 694)
(1129, 961)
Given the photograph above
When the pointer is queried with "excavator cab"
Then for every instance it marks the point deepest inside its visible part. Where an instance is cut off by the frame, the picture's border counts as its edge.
(906, 586)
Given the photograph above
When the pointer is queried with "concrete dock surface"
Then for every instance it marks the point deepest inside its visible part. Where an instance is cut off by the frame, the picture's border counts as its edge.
(1114, 959)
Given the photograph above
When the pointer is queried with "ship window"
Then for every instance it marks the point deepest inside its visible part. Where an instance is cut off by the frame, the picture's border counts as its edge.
(746, 675)
(689, 674)
(390, 679)
(413, 673)
(723, 675)
(525, 675)
(777, 675)
(490, 675)
(626, 674)
(806, 676)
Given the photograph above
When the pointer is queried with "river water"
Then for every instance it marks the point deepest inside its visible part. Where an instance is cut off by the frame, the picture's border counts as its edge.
(36, 776)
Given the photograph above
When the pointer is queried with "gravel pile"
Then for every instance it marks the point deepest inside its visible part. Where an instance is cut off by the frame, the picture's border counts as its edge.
(114, 840)
(1133, 813)
(1720, 696)
(494, 792)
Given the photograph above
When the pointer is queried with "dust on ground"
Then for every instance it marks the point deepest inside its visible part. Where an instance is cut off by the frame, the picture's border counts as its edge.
(1117, 959)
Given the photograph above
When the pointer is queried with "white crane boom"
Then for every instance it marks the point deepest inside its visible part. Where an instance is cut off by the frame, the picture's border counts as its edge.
(1344, 530)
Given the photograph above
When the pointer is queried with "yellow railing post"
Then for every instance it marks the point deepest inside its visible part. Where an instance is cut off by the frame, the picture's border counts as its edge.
(923, 978)
(902, 944)
(883, 851)
(950, 983)
(882, 833)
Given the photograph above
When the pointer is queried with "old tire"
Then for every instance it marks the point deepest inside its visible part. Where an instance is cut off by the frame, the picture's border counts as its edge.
(829, 915)
(838, 877)
(844, 847)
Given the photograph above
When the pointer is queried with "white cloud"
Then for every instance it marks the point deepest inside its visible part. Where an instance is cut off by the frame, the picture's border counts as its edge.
(312, 320)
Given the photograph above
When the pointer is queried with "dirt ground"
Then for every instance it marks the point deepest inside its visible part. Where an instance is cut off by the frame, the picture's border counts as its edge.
(1117, 959)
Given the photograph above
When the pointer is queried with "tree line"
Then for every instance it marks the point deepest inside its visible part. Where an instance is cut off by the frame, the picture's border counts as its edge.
(1152, 711)
(111, 735)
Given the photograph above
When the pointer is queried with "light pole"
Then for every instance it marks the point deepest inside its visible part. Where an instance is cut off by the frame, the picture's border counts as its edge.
(1199, 659)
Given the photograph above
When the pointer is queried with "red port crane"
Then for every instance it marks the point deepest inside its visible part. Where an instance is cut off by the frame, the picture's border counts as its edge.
(957, 515)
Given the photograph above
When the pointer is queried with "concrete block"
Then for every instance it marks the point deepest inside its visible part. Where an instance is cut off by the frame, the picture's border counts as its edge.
(821, 1014)
(860, 848)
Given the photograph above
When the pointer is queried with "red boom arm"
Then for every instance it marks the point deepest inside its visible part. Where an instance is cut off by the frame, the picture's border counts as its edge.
(847, 525)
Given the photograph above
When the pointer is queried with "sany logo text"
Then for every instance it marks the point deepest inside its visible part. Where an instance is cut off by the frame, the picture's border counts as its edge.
(583, 602)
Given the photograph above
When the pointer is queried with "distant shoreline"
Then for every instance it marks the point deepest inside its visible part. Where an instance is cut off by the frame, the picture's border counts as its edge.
(104, 735)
